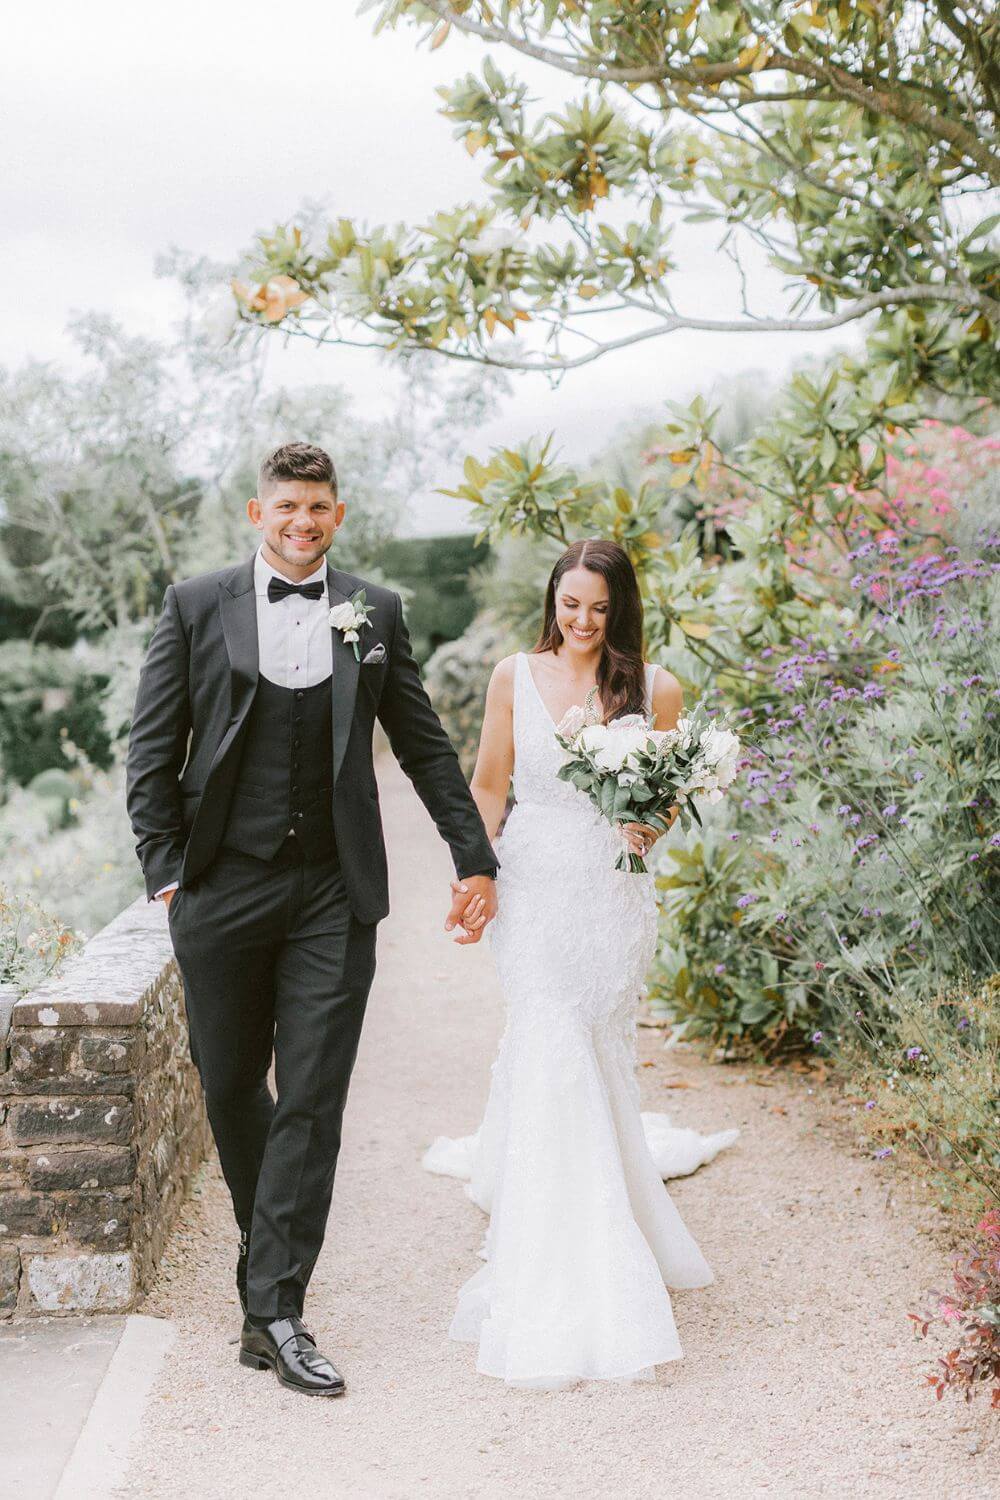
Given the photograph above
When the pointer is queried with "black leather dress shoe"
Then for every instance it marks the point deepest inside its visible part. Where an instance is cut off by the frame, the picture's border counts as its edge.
(241, 1269)
(286, 1347)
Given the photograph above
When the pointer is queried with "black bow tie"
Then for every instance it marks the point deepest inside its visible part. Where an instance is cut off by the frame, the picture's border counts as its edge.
(278, 588)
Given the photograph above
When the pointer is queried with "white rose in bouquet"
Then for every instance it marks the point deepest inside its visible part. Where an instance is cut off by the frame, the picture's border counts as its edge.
(621, 748)
(611, 755)
(593, 738)
(721, 750)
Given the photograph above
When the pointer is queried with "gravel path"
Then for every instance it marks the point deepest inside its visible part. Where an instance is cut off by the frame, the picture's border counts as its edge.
(800, 1376)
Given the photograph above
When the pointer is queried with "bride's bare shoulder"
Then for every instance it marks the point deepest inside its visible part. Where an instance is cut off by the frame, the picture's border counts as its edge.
(501, 686)
(666, 693)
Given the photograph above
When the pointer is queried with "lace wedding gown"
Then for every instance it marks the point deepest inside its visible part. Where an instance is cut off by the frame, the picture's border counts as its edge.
(583, 1238)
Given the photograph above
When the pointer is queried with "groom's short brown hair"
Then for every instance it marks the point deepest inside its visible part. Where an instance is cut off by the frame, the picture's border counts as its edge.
(296, 461)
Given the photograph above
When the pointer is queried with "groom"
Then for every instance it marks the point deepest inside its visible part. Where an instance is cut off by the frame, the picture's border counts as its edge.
(252, 795)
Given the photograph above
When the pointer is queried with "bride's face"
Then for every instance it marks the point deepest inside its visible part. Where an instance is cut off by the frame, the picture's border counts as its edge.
(582, 610)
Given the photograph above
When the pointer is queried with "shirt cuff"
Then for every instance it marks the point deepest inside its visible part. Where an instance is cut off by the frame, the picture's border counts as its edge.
(171, 887)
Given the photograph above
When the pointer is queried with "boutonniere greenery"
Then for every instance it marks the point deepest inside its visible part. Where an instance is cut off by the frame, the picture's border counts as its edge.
(351, 617)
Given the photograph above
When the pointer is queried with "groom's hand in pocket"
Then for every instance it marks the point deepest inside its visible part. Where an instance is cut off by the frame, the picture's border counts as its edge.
(473, 904)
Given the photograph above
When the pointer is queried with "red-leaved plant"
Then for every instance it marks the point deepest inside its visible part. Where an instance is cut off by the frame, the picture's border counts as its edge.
(974, 1308)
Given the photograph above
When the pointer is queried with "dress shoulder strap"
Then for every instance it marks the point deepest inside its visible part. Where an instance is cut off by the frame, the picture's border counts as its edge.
(521, 693)
(650, 674)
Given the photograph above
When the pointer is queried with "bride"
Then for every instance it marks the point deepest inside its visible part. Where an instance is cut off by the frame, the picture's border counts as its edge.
(583, 1238)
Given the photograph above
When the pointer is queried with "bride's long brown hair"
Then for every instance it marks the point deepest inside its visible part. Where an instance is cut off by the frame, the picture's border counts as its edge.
(621, 683)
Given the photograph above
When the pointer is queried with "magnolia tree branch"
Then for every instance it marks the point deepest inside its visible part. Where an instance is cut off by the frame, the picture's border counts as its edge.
(897, 102)
(908, 224)
(671, 323)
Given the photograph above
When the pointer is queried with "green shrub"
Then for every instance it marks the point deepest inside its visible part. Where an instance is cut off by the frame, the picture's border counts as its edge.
(437, 572)
(863, 862)
(457, 676)
(84, 870)
(933, 1087)
(47, 697)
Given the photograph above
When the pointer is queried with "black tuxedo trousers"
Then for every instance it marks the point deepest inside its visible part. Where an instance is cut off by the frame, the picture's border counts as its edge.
(274, 959)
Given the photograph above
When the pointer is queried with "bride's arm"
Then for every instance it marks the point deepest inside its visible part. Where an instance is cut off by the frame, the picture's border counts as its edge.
(495, 761)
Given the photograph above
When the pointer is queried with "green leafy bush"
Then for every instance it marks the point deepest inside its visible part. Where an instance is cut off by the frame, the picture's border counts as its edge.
(438, 574)
(457, 676)
(932, 1084)
(83, 871)
(47, 697)
(863, 862)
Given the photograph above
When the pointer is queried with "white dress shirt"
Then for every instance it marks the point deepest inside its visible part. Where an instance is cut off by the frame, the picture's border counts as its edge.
(293, 636)
(294, 645)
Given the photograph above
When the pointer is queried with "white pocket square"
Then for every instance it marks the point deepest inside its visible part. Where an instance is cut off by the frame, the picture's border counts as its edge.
(374, 656)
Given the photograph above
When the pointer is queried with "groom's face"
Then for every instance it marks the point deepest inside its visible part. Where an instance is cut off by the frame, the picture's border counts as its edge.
(298, 519)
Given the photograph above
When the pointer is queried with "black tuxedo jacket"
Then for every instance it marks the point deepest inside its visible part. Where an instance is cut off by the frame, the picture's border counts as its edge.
(195, 690)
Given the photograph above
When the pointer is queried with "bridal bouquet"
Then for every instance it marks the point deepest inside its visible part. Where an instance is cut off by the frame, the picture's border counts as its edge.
(635, 774)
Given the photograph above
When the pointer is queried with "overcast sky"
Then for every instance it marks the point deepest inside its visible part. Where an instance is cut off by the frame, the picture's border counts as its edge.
(130, 127)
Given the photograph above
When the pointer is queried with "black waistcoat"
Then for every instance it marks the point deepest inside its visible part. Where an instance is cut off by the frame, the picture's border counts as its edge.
(285, 778)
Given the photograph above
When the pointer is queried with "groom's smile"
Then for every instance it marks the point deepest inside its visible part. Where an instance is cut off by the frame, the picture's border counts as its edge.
(298, 518)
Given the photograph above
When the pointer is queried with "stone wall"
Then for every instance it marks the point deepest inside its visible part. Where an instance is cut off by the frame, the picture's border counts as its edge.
(102, 1122)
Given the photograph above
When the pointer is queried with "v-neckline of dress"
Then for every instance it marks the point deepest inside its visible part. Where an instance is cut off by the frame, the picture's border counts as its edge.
(538, 694)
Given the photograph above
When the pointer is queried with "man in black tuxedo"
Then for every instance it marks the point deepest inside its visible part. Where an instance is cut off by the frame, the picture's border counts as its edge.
(252, 795)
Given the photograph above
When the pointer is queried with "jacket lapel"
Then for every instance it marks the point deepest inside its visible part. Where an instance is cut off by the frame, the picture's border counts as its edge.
(344, 688)
(238, 611)
(238, 607)
(238, 614)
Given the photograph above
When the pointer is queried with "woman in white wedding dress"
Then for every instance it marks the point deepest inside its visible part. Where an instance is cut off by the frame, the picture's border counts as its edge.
(583, 1239)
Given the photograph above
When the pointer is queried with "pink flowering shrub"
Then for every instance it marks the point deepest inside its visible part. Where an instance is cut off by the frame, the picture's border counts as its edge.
(971, 1314)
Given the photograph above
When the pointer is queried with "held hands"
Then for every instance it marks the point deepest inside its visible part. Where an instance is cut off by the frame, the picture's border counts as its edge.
(473, 904)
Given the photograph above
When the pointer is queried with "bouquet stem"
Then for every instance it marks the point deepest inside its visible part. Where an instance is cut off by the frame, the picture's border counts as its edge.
(633, 863)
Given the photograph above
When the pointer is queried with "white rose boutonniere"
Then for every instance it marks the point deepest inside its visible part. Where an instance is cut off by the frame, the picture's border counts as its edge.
(351, 617)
